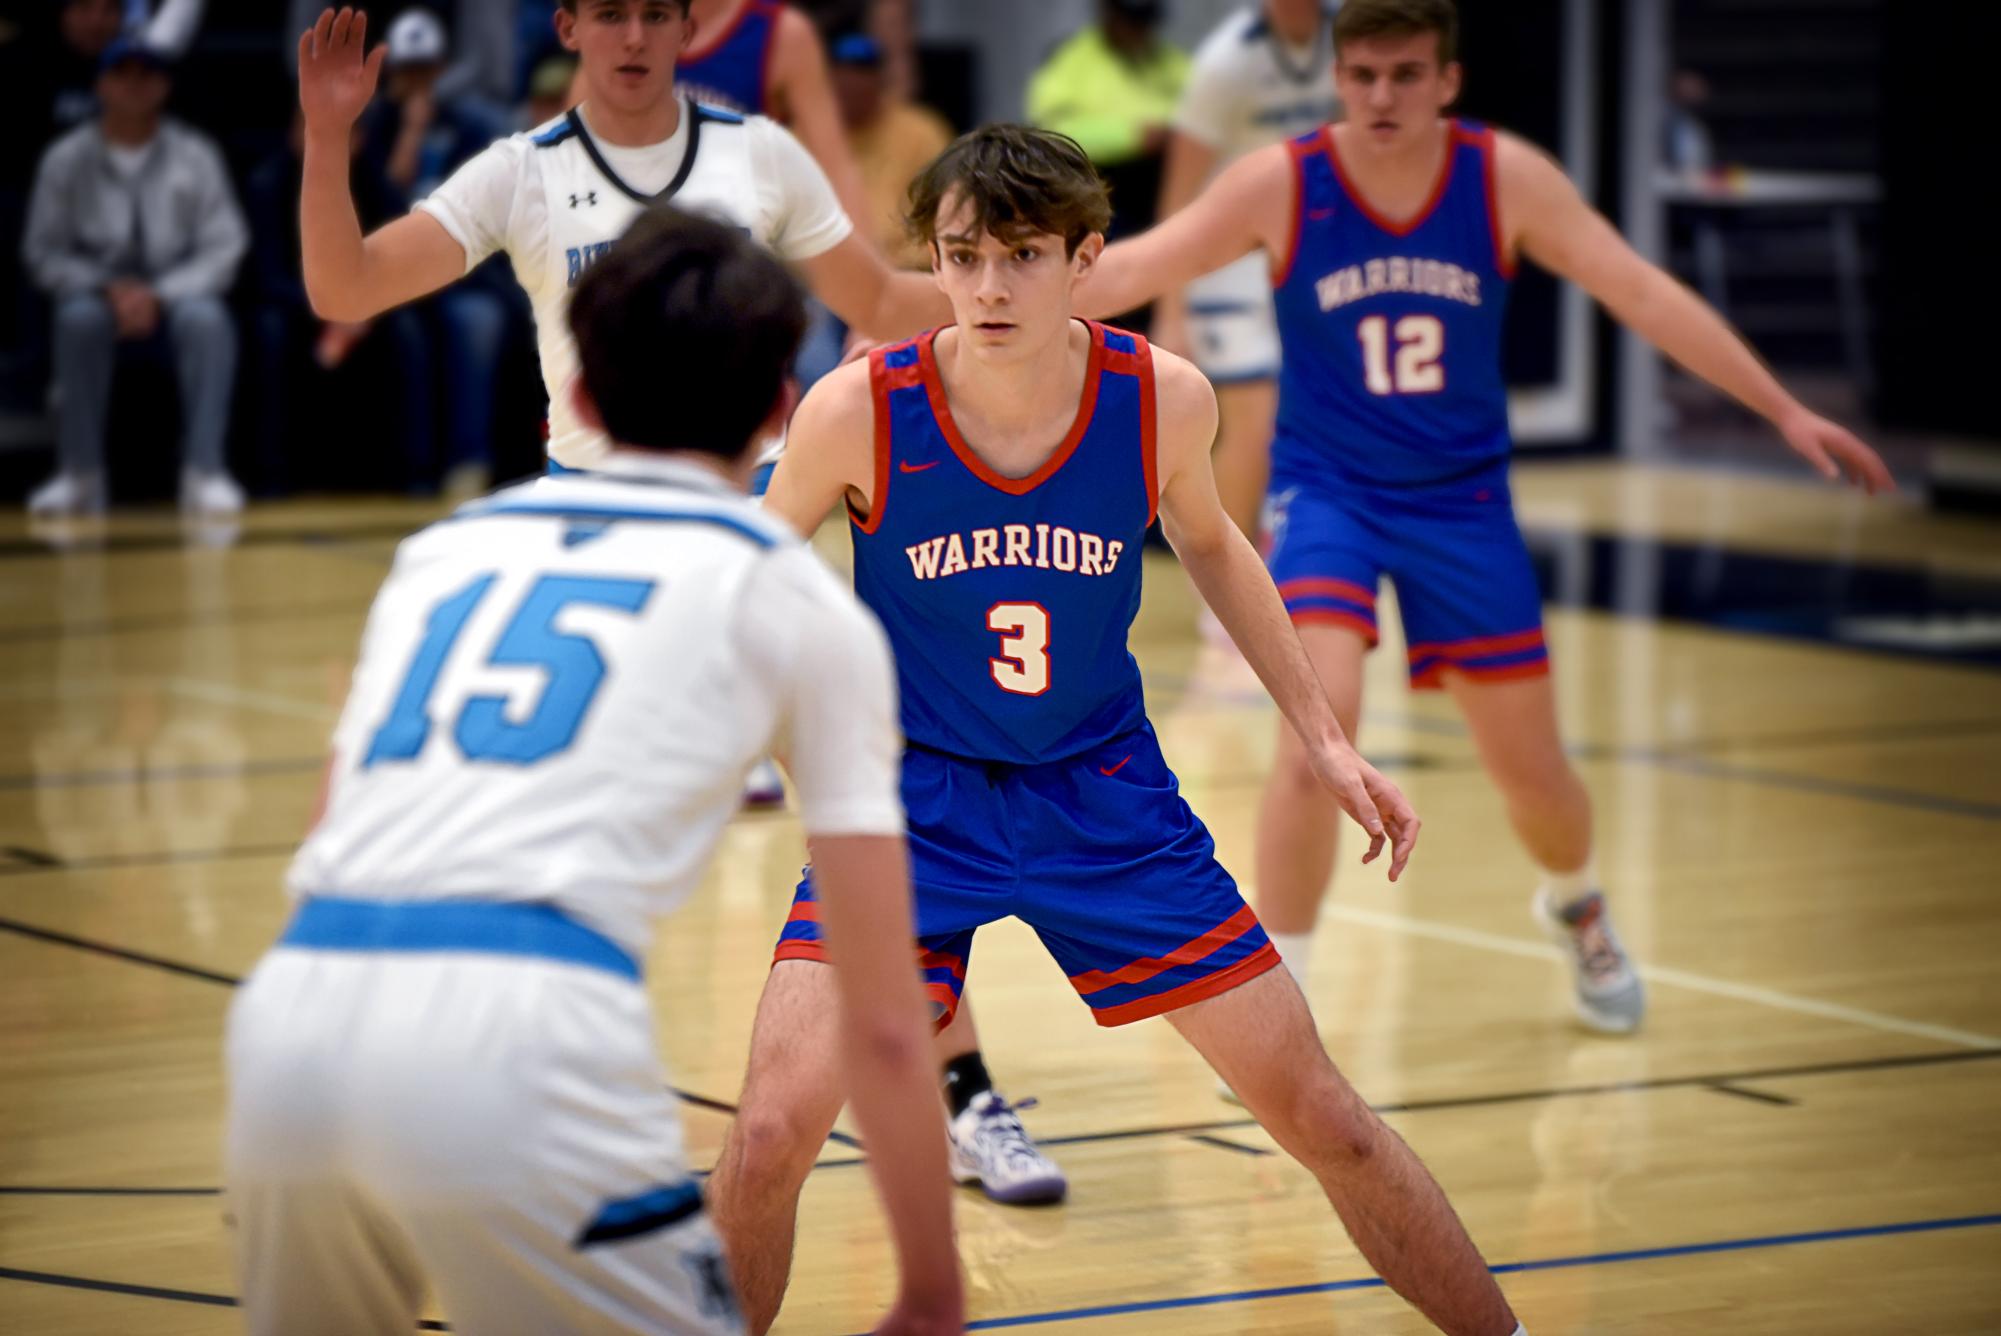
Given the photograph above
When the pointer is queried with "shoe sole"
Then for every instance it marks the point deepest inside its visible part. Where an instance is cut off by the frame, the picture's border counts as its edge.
(1034, 1192)
(1558, 933)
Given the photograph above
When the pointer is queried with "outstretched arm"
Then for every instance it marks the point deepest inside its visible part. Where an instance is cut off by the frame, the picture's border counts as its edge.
(829, 451)
(1554, 226)
(858, 285)
(806, 106)
(349, 277)
(1248, 206)
(1236, 586)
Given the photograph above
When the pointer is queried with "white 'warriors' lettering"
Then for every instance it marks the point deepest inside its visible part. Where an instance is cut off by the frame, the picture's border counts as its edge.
(1042, 547)
(1398, 273)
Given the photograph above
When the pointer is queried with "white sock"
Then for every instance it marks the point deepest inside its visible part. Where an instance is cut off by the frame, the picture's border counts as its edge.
(1520, 1330)
(1296, 950)
(1566, 888)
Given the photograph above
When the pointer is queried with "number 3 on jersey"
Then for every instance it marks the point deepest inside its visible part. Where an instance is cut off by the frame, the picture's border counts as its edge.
(1420, 343)
(1023, 664)
(484, 732)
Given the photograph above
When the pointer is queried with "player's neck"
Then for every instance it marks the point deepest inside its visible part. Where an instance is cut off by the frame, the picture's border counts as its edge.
(1395, 184)
(633, 129)
(999, 402)
(711, 18)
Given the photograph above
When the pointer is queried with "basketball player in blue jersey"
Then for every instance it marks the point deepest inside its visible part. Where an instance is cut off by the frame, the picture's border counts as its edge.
(1000, 475)
(1392, 238)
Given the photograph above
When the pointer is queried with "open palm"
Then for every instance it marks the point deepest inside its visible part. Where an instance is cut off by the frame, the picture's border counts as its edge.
(337, 73)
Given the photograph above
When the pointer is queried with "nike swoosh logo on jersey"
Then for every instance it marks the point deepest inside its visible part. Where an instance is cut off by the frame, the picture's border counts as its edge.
(1114, 769)
(905, 466)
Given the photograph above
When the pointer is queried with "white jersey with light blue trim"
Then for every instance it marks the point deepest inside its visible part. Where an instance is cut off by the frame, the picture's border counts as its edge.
(557, 198)
(561, 688)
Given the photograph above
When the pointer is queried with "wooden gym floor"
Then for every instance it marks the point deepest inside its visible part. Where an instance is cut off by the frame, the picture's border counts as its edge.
(1798, 778)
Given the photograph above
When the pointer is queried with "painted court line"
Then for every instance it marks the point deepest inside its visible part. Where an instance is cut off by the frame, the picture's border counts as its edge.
(1506, 1268)
(1674, 978)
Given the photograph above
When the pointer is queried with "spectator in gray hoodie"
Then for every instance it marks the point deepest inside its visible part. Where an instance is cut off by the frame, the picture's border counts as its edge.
(135, 235)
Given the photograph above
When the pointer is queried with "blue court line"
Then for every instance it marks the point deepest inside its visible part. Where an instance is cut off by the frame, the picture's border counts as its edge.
(1505, 1269)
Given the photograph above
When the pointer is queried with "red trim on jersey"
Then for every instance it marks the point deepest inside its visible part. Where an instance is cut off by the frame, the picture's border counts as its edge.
(1208, 944)
(934, 386)
(882, 378)
(1434, 677)
(1347, 621)
(1149, 437)
(804, 911)
(1298, 152)
(1417, 219)
(801, 950)
(1479, 648)
(1201, 990)
(1483, 140)
(1311, 587)
(938, 960)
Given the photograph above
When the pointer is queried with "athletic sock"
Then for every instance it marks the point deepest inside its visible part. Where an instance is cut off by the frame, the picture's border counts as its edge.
(965, 1078)
(1567, 888)
(1296, 950)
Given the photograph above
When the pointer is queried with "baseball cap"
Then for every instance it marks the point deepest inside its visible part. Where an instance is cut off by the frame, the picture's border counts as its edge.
(417, 37)
(857, 48)
(132, 46)
(1140, 11)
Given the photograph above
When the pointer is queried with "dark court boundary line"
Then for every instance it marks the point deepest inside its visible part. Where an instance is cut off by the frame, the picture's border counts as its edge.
(148, 1291)
(118, 953)
(1750, 1244)
(1706, 1248)
(30, 1190)
(111, 861)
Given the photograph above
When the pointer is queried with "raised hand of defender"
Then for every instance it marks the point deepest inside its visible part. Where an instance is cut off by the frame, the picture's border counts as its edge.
(1835, 451)
(337, 72)
(1377, 805)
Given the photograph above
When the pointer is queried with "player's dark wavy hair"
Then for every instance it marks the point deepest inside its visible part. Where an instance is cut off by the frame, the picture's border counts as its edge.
(1019, 181)
(683, 5)
(1360, 20)
(686, 332)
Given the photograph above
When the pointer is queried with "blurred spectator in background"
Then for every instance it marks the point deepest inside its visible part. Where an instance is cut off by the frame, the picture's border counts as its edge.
(1686, 145)
(892, 141)
(1113, 89)
(890, 22)
(549, 85)
(413, 138)
(134, 233)
(298, 357)
(485, 67)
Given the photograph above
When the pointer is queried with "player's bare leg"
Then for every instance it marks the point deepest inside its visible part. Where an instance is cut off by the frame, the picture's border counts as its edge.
(791, 1096)
(1260, 1039)
(989, 1145)
(1515, 731)
(1298, 818)
(1242, 458)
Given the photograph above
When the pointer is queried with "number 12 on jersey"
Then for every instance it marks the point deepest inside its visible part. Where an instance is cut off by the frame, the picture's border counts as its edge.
(1420, 343)
(1023, 664)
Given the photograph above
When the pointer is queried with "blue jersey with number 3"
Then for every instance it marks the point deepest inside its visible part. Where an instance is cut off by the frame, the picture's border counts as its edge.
(1392, 331)
(1008, 600)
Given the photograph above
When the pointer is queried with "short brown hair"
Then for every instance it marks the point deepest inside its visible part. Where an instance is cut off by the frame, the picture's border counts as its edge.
(1019, 180)
(683, 5)
(1360, 20)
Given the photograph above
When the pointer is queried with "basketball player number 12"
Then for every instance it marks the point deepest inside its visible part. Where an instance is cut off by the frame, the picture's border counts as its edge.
(1420, 343)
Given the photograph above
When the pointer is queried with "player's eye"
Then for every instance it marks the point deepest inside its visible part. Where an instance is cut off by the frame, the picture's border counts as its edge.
(959, 257)
(1027, 254)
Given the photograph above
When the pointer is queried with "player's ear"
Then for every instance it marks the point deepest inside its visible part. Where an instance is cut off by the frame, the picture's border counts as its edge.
(1088, 251)
(585, 406)
(566, 27)
(1450, 79)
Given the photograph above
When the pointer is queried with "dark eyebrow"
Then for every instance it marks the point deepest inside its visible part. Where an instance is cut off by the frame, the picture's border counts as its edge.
(960, 239)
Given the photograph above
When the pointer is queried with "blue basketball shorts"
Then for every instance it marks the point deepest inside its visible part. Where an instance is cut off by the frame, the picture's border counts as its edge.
(1098, 854)
(1464, 581)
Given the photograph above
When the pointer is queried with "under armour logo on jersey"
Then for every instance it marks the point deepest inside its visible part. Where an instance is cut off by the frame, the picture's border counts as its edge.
(589, 197)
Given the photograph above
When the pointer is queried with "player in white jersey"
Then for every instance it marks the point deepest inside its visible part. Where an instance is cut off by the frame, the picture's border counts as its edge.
(1263, 75)
(555, 199)
(445, 1070)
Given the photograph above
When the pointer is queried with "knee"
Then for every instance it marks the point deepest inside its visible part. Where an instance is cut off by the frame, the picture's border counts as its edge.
(200, 320)
(1332, 1128)
(1293, 775)
(770, 1145)
(86, 316)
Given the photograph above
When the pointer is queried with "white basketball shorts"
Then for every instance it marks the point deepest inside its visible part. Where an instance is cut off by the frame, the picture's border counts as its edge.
(1232, 327)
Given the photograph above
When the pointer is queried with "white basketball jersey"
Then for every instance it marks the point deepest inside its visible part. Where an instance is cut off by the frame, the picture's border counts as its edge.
(561, 688)
(556, 199)
(1249, 87)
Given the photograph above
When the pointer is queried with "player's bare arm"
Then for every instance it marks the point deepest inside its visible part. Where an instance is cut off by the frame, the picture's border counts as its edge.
(1248, 206)
(1189, 162)
(829, 452)
(865, 920)
(860, 287)
(350, 277)
(1543, 215)
(1233, 581)
(803, 99)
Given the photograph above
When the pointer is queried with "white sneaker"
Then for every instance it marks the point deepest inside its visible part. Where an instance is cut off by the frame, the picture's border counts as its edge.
(68, 494)
(990, 1147)
(1609, 997)
(764, 787)
(211, 494)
